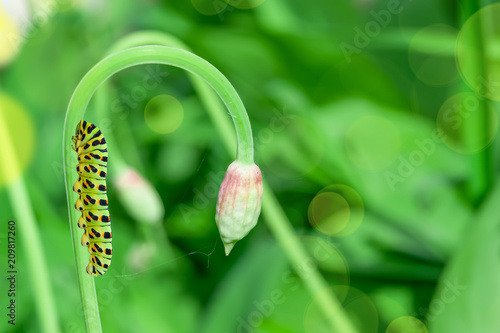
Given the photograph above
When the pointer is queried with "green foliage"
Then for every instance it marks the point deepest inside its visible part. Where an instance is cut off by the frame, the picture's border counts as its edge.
(318, 120)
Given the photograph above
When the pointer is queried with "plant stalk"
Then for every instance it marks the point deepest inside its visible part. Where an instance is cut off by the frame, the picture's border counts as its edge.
(76, 110)
(275, 217)
(477, 128)
(28, 232)
(272, 211)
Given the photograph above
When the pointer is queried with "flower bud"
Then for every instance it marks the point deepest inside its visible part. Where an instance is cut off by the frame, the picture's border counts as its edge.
(139, 197)
(239, 202)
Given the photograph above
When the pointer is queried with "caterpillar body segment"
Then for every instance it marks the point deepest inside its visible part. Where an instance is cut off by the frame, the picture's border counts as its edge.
(98, 265)
(100, 157)
(92, 155)
(96, 145)
(91, 170)
(88, 201)
(90, 185)
(93, 218)
(95, 234)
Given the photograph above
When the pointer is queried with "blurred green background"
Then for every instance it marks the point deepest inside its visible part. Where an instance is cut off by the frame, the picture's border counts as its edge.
(374, 124)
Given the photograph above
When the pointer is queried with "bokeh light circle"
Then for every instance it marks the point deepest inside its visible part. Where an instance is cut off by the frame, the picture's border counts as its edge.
(327, 257)
(164, 114)
(337, 210)
(373, 143)
(10, 40)
(329, 212)
(434, 64)
(460, 110)
(209, 7)
(406, 324)
(481, 71)
(17, 138)
(358, 306)
(290, 147)
(245, 4)
(389, 307)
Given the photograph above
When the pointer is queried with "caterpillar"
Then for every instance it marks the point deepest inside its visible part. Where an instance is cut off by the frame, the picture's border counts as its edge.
(91, 148)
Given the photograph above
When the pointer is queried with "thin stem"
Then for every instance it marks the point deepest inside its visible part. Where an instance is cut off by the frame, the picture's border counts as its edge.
(272, 211)
(76, 110)
(477, 128)
(28, 232)
(318, 287)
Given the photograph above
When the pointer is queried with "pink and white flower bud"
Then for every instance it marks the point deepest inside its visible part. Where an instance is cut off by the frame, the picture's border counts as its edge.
(239, 202)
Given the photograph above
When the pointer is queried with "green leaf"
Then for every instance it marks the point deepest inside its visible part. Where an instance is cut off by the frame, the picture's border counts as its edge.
(468, 295)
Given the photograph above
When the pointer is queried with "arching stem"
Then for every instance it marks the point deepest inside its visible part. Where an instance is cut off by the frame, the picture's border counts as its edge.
(76, 110)
(273, 214)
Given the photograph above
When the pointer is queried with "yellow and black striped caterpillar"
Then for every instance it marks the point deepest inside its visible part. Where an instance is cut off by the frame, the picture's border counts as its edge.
(91, 147)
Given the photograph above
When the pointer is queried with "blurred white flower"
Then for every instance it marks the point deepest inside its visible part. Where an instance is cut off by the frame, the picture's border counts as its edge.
(139, 197)
(140, 255)
(14, 22)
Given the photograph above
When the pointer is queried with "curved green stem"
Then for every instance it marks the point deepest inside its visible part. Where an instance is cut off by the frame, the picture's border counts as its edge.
(76, 110)
(178, 58)
(207, 96)
(28, 232)
(274, 215)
